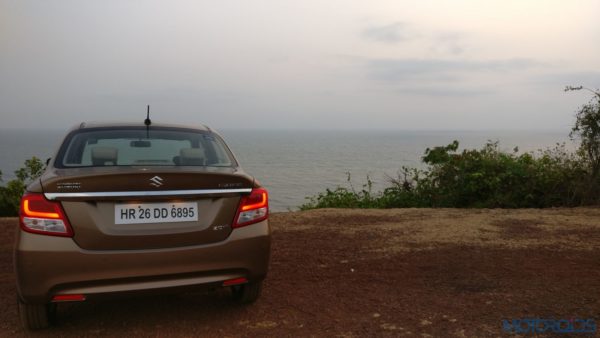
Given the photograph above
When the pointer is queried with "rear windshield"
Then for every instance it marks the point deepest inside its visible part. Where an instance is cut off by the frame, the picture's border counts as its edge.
(153, 147)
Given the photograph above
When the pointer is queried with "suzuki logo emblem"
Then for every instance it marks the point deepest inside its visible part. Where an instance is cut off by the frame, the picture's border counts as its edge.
(156, 181)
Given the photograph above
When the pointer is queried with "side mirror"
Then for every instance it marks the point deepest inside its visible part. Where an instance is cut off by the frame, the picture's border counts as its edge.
(48, 160)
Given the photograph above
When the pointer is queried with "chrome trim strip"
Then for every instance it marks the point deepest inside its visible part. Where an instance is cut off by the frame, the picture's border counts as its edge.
(55, 195)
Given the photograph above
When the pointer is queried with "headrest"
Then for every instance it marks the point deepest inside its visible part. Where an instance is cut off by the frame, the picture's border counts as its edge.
(192, 156)
(101, 155)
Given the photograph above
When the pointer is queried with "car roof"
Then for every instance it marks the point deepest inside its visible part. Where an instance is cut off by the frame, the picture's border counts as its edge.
(86, 125)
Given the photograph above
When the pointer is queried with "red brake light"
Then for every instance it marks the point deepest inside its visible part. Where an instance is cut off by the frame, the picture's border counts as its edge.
(41, 216)
(68, 298)
(253, 208)
(236, 281)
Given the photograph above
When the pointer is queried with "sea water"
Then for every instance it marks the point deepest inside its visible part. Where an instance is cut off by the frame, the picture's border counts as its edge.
(294, 164)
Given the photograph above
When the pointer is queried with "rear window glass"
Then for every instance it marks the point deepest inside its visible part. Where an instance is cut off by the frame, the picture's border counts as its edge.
(155, 147)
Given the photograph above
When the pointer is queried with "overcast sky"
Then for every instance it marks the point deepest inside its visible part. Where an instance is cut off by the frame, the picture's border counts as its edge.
(299, 64)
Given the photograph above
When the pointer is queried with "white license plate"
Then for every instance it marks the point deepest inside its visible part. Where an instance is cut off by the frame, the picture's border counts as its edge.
(136, 213)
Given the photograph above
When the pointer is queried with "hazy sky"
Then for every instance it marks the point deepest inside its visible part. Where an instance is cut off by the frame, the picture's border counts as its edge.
(299, 64)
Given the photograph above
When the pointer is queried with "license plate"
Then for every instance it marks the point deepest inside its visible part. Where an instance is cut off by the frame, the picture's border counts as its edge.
(136, 213)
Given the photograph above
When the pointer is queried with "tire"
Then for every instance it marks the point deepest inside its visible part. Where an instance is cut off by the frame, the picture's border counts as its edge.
(247, 293)
(36, 316)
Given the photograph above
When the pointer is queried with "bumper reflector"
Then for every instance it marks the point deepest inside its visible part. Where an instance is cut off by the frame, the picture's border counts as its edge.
(68, 298)
(235, 281)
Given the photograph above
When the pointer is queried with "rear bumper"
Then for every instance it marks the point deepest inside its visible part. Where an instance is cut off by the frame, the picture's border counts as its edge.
(48, 266)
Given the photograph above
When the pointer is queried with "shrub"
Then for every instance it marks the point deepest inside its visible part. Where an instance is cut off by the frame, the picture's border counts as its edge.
(483, 178)
(587, 131)
(10, 195)
(344, 197)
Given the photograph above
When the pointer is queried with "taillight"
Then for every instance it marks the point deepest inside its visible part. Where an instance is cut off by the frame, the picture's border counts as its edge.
(253, 208)
(41, 216)
(235, 281)
(68, 298)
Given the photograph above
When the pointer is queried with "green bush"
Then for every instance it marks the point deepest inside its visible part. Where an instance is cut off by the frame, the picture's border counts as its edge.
(344, 197)
(476, 178)
(10, 195)
(587, 131)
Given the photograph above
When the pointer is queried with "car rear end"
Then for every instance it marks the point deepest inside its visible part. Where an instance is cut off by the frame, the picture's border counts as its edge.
(128, 209)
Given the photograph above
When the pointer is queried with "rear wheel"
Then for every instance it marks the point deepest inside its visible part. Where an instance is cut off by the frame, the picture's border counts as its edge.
(36, 316)
(246, 293)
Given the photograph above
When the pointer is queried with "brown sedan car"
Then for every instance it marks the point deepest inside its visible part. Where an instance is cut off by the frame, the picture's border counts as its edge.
(128, 208)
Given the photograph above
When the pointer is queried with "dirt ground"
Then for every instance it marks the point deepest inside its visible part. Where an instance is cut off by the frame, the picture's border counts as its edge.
(355, 273)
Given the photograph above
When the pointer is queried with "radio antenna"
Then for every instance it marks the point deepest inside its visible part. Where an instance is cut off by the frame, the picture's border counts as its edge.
(148, 122)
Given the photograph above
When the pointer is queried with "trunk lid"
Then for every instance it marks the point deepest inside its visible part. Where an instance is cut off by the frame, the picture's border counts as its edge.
(94, 199)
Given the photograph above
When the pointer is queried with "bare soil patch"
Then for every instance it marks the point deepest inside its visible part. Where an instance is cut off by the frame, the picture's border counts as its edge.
(401, 272)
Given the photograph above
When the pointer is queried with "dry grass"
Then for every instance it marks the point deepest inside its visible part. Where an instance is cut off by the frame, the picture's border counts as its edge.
(408, 229)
